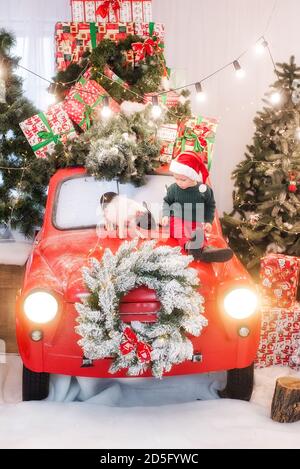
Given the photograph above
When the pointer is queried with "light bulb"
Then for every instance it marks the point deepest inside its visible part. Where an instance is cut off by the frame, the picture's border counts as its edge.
(106, 112)
(275, 97)
(156, 109)
(260, 47)
(156, 112)
(200, 95)
(240, 73)
(50, 99)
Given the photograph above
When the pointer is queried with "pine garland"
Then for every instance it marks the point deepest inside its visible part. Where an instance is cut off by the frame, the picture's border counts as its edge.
(140, 346)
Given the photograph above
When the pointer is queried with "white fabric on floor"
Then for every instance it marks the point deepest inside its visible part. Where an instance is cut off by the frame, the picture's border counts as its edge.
(136, 392)
(207, 424)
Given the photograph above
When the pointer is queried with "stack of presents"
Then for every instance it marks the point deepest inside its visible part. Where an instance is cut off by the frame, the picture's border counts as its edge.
(280, 336)
(92, 22)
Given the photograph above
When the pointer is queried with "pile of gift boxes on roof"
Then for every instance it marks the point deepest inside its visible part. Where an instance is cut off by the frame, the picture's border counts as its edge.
(92, 22)
(280, 332)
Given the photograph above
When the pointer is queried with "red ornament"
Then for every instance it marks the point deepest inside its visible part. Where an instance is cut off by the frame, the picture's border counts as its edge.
(292, 183)
(144, 352)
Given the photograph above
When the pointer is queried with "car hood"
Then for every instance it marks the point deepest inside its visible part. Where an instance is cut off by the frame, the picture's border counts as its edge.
(67, 254)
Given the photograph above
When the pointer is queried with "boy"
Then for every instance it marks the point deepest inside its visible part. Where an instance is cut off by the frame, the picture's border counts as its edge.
(189, 208)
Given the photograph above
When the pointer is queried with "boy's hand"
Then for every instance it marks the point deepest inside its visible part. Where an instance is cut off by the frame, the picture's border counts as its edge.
(208, 227)
(164, 221)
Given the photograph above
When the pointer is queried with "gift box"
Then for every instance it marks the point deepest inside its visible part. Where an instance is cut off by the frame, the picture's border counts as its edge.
(197, 134)
(72, 39)
(280, 337)
(279, 280)
(170, 99)
(167, 133)
(85, 100)
(150, 29)
(111, 11)
(44, 130)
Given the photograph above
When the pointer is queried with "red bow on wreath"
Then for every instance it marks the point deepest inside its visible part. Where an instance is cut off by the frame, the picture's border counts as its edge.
(143, 350)
(103, 9)
(149, 47)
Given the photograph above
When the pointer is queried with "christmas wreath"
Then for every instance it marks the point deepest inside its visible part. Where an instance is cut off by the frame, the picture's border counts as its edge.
(140, 346)
(142, 76)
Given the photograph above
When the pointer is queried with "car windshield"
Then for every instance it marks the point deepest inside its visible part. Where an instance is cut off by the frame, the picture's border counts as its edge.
(78, 199)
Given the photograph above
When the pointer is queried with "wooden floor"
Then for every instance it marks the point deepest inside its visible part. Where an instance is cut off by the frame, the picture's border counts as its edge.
(10, 281)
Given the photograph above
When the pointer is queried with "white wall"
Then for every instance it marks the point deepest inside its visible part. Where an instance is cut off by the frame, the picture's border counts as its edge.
(201, 37)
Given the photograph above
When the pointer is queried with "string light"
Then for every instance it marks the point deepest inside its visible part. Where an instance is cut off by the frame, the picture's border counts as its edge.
(275, 97)
(200, 95)
(156, 109)
(106, 112)
(261, 46)
(240, 73)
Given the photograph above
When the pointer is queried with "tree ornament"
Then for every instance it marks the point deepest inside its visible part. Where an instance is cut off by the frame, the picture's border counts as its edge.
(292, 183)
(140, 346)
(254, 219)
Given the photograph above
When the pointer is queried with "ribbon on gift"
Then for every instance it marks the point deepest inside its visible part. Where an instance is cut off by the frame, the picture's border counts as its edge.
(198, 135)
(103, 9)
(132, 343)
(148, 47)
(47, 136)
(88, 110)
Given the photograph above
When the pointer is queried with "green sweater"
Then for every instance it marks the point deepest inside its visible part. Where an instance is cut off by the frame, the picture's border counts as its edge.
(190, 204)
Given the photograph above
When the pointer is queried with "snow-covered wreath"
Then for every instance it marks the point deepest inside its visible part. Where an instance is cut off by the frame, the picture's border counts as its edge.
(140, 346)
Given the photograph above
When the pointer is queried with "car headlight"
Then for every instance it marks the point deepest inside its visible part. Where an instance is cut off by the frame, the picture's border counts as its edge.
(40, 307)
(240, 303)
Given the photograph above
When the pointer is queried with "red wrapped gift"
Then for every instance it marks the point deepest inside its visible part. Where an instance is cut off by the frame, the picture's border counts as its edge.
(279, 280)
(73, 39)
(280, 337)
(84, 101)
(150, 29)
(46, 129)
(167, 133)
(197, 134)
(111, 11)
(169, 99)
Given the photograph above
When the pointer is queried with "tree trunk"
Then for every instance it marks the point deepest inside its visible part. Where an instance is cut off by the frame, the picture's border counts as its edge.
(286, 400)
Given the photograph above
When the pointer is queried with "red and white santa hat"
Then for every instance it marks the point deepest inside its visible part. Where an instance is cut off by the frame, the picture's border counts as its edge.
(190, 164)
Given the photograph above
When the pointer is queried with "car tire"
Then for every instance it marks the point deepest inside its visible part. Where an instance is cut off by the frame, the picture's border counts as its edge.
(240, 384)
(35, 385)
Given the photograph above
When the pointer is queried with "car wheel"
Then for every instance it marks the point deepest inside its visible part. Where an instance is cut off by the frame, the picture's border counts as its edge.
(239, 384)
(35, 385)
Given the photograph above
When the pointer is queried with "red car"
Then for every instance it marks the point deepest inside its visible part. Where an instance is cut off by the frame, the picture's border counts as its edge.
(46, 315)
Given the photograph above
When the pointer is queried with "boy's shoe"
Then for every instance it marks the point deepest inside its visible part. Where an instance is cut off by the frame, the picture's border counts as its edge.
(210, 254)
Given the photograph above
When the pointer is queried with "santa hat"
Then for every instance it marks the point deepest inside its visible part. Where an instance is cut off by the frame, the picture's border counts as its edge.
(189, 164)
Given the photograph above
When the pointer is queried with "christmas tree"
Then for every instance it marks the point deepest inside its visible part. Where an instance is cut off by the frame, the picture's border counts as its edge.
(23, 184)
(266, 201)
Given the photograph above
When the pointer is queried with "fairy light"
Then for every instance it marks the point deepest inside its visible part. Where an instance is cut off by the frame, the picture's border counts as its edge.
(156, 109)
(106, 112)
(240, 73)
(200, 95)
